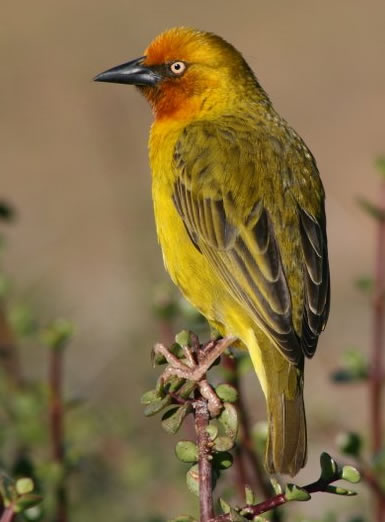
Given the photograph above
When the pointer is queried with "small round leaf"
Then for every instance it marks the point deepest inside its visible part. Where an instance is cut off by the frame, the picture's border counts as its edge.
(149, 397)
(223, 443)
(192, 479)
(351, 474)
(24, 486)
(173, 418)
(156, 406)
(212, 430)
(329, 468)
(229, 420)
(294, 492)
(227, 392)
(350, 444)
(186, 451)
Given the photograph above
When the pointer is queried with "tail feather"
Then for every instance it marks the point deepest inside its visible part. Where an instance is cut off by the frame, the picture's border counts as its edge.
(286, 449)
(282, 384)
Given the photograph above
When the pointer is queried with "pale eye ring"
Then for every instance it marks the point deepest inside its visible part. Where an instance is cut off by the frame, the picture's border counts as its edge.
(177, 68)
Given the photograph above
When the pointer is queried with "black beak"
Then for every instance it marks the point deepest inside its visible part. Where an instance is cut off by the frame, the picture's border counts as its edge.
(132, 73)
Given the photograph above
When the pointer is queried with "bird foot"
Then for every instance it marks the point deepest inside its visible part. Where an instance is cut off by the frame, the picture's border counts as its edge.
(197, 361)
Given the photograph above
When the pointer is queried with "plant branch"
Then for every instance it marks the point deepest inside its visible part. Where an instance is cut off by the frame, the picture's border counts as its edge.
(8, 515)
(202, 417)
(249, 512)
(56, 425)
(377, 347)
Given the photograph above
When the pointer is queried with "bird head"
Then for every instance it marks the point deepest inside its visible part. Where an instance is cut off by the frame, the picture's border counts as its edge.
(185, 72)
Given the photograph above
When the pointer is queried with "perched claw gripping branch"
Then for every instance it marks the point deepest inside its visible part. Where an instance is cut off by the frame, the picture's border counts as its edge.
(183, 388)
(16, 497)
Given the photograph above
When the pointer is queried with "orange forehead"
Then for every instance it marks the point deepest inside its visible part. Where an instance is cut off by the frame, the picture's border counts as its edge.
(180, 43)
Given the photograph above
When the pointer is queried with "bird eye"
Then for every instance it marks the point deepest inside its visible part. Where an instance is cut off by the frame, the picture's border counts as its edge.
(178, 68)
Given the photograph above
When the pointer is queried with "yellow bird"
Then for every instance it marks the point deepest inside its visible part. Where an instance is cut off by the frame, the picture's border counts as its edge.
(239, 208)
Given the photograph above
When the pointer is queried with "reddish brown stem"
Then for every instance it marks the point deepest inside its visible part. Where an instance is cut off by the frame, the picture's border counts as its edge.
(250, 512)
(56, 425)
(201, 415)
(8, 515)
(377, 347)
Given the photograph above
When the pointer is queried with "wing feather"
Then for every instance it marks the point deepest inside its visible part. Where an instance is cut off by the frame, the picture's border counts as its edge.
(242, 245)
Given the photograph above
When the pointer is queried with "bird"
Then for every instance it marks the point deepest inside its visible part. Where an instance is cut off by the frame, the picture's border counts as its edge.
(240, 216)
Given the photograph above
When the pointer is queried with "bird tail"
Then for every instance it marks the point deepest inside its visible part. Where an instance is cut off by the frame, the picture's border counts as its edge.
(282, 384)
(286, 449)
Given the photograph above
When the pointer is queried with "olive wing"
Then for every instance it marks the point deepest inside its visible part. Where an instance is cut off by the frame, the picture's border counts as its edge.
(212, 176)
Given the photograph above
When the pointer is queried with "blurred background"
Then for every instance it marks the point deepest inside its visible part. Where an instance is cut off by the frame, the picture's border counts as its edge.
(74, 165)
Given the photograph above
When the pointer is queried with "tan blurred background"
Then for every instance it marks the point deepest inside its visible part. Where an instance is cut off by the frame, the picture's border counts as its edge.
(74, 164)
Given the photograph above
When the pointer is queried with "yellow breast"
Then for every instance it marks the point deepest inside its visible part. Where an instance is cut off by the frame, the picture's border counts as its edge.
(188, 268)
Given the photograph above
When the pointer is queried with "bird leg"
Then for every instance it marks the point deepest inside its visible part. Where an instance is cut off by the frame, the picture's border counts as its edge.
(195, 370)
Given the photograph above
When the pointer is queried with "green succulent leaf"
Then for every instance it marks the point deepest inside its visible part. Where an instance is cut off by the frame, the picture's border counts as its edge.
(351, 474)
(183, 338)
(157, 359)
(192, 479)
(57, 334)
(229, 420)
(329, 468)
(149, 397)
(24, 486)
(249, 496)
(187, 451)
(235, 516)
(223, 443)
(173, 418)
(212, 430)
(227, 392)
(355, 361)
(340, 491)
(354, 367)
(294, 492)
(22, 320)
(186, 390)
(26, 502)
(33, 513)
(225, 507)
(156, 406)
(276, 486)
(350, 443)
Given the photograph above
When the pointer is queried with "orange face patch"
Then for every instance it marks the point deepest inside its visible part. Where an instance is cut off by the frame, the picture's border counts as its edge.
(208, 61)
